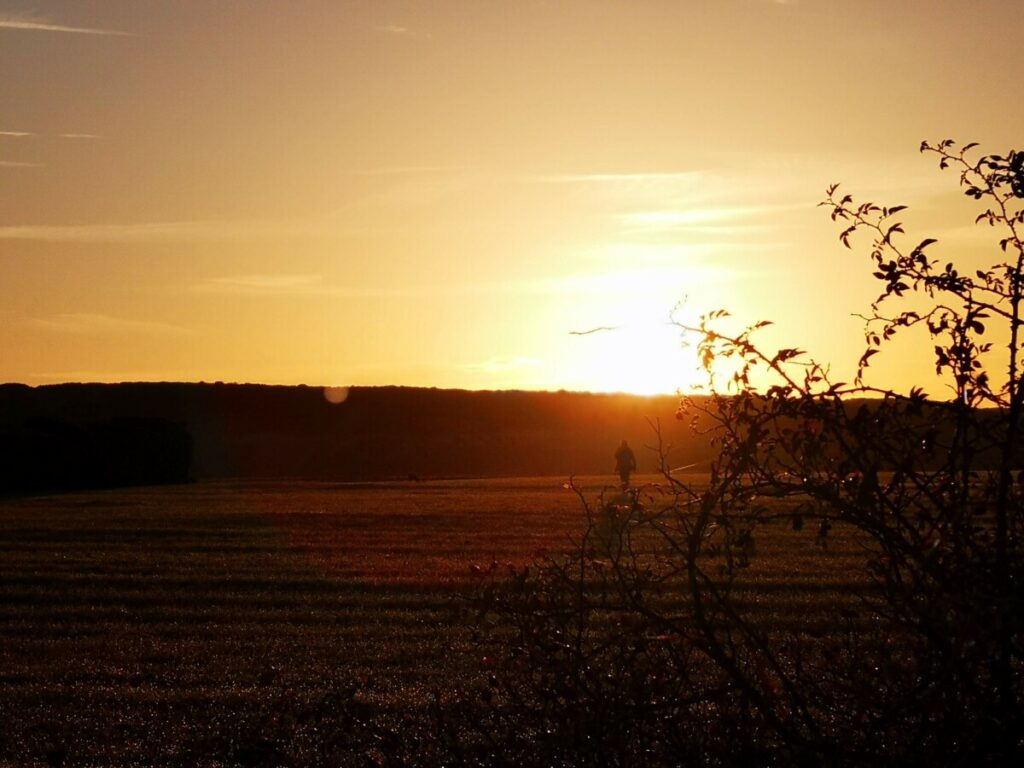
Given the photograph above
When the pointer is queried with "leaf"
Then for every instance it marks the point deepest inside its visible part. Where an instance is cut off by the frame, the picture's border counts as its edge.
(786, 354)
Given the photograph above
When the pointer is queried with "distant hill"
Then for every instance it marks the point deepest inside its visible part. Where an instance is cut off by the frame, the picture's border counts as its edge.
(136, 433)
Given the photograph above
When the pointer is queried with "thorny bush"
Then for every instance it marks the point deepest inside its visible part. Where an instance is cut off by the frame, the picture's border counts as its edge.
(633, 648)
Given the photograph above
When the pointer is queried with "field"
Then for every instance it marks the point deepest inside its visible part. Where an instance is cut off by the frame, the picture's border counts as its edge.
(223, 623)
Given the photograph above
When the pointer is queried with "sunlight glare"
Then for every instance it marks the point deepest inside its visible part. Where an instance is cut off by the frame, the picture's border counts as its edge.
(645, 355)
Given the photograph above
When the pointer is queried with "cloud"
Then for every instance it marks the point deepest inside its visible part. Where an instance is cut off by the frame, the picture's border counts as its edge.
(411, 170)
(701, 258)
(266, 285)
(640, 281)
(286, 285)
(725, 219)
(685, 270)
(22, 134)
(628, 190)
(617, 178)
(16, 164)
(146, 232)
(399, 31)
(9, 21)
(502, 364)
(671, 219)
(632, 186)
(407, 187)
(86, 324)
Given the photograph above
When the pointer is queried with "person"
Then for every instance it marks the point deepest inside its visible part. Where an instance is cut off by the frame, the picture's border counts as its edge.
(625, 463)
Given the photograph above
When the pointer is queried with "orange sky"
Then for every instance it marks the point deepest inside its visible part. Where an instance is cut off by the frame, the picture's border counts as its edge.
(437, 193)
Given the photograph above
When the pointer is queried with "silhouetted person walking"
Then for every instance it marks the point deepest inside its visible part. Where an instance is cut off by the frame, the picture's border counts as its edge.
(625, 463)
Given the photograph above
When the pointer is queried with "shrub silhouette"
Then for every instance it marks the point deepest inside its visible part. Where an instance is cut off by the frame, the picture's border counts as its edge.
(634, 648)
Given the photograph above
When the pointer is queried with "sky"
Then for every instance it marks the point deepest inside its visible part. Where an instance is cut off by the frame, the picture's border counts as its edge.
(441, 193)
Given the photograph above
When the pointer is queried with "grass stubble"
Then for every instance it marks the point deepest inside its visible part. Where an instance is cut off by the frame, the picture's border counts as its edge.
(249, 623)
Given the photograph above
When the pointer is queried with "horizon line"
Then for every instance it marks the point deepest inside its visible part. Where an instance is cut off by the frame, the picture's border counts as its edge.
(223, 383)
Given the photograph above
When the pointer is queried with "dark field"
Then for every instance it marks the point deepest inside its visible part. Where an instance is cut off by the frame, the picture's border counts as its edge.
(216, 623)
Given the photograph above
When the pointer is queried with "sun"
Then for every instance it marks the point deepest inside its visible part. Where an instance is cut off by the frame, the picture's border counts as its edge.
(644, 356)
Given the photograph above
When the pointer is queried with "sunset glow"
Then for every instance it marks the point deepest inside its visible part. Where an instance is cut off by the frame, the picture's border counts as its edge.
(448, 193)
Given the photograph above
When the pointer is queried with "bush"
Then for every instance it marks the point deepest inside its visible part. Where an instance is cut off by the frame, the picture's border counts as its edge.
(636, 647)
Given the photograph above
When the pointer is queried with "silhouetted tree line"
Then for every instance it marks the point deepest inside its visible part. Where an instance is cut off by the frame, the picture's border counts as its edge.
(93, 435)
(54, 455)
(242, 430)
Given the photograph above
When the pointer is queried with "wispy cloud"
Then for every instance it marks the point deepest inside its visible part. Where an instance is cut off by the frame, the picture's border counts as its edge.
(598, 282)
(502, 364)
(713, 259)
(17, 164)
(87, 324)
(265, 285)
(729, 183)
(641, 188)
(683, 218)
(185, 231)
(635, 281)
(400, 30)
(723, 219)
(411, 170)
(311, 286)
(617, 178)
(23, 134)
(36, 24)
